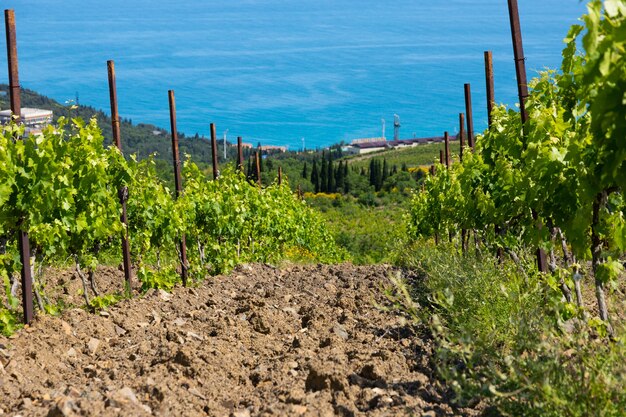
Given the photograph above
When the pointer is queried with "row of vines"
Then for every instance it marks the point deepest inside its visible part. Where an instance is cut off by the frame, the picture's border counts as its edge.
(61, 186)
(557, 182)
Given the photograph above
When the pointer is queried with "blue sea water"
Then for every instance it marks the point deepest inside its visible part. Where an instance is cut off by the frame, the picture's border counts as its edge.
(277, 71)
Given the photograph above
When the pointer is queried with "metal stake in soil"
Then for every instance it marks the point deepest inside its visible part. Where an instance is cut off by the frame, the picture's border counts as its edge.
(462, 146)
(239, 154)
(522, 89)
(446, 140)
(258, 168)
(122, 192)
(489, 83)
(470, 119)
(216, 171)
(177, 182)
(16, 109)
(461, 135)
(490, 103)
(520, 61)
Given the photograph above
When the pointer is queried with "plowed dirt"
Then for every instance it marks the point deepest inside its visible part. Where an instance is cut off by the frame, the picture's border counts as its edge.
(296, 341)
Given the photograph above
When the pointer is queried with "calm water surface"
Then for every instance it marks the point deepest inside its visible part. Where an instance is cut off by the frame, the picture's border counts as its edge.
(277, 71)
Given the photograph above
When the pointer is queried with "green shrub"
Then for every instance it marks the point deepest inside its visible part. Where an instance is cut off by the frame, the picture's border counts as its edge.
(505, 336)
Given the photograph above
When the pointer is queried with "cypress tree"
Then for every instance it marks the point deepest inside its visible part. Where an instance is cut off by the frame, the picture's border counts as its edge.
(376, 174)
(260, 159)
(249, 173)
(339, 179)
(315, 177)
(385, 170)
(305, 173)
(330, 175)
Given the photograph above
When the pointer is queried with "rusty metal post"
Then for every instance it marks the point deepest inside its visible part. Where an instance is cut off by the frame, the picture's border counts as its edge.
(16, 110)
(216, 171)
(461, 135)
(462, 146)
(522, 89)
(446, 140)
(239, 154)
(470, 119)
(177, 182)
(258, 168)
(122, 192)
(490, 103)
(489, 83)
(14, 79)
(520, 61)
(115, 118)
(280, 176)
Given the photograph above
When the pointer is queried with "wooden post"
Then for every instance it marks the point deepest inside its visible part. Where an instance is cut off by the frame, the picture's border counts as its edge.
(280, 176)
(16, 110)
(470, 120)
(239, 154)
(122, 192)
(178, 183)
(216, 171)
(441, 156)
(522, 89)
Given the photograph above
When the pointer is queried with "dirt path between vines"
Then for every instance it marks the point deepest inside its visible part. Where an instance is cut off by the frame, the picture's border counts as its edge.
(297, 341)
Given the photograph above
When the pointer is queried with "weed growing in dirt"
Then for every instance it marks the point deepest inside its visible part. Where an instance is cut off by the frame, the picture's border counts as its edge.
(165, 278)
(9, 318)
(9, 322)
(101, 302)
(506, 337)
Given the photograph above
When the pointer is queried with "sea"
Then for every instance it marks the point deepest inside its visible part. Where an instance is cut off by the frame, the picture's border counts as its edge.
(295, 73)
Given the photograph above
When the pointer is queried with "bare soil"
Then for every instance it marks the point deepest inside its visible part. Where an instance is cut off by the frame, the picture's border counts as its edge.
(261, 341)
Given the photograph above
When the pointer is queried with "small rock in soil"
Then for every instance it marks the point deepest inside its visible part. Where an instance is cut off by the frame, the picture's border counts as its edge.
(93, 345)
(164, 295)
(340, 331)
(242, 413)
(63, 407)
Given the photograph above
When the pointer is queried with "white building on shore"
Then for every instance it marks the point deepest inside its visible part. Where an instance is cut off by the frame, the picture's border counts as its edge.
(34, 119)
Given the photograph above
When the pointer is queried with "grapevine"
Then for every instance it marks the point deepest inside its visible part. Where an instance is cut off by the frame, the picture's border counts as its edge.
(565, 174)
